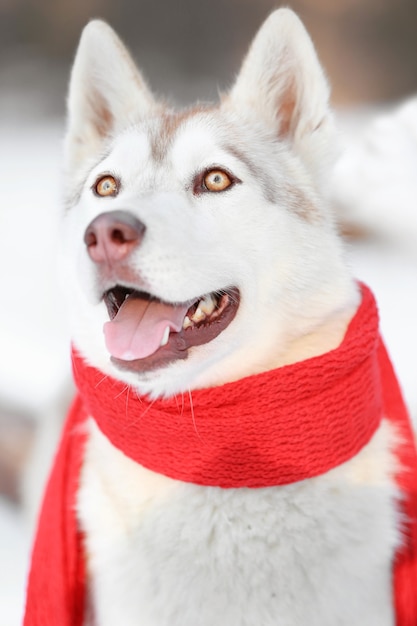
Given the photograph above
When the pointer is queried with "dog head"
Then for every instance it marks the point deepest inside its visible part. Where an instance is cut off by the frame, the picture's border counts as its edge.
(199, 247)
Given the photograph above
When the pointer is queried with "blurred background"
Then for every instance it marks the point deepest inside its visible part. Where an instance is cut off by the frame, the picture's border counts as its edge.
(188, 49)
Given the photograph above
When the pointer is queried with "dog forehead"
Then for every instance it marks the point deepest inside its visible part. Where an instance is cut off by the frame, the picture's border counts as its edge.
(183, 140)
(157, 137)
(181, 133)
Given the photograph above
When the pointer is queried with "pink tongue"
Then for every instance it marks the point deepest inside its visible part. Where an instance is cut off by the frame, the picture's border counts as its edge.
(139, 327)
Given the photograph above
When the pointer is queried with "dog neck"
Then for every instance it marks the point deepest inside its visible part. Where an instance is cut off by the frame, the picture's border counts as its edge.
(273, 428)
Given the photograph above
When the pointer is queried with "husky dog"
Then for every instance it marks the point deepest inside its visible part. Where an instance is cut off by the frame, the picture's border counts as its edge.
(202, 242)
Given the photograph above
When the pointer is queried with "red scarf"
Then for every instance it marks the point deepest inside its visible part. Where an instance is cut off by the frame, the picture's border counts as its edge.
(274, 428)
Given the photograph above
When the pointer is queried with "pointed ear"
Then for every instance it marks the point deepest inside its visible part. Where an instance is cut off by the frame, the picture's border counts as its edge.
(106, 93)
(281, 79)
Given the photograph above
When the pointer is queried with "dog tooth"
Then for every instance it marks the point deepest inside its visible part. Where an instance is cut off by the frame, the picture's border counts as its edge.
(207, 304)
(199, 315)
(187, 322)
(165, 336)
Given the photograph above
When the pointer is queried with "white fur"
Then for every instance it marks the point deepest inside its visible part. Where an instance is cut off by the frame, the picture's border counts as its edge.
(161, 553)
(317, 552)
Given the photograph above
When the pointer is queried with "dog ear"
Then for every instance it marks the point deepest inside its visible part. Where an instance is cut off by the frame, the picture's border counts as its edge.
(281, 79)
(106, 92)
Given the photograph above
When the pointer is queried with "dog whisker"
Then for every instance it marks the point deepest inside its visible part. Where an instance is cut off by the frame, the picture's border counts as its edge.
(101, 381)
(125, 389)
(193, 415)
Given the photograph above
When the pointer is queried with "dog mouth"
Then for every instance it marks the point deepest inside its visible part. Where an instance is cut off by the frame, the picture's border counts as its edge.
(145, 332)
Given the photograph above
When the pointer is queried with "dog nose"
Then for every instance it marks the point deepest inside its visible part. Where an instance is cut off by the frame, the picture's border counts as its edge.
(112, 236)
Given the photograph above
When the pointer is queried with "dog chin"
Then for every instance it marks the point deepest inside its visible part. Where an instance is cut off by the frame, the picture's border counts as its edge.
(166, 377)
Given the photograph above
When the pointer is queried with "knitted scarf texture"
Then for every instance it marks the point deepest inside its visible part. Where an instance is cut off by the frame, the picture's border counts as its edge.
(275, 428)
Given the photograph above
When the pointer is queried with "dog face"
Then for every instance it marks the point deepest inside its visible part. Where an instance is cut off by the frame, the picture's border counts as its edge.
(199, 248)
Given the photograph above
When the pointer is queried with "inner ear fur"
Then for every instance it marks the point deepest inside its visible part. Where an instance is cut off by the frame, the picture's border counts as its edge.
(281, 78)
(106, 93)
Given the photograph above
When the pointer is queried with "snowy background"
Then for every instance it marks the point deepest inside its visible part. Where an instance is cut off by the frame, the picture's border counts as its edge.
(374, 192)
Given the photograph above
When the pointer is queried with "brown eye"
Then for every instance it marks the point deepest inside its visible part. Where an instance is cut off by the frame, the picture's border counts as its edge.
(216, 180)
(106, 186)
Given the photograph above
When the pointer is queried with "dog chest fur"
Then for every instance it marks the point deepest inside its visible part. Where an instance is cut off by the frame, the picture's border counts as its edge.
(164, 553)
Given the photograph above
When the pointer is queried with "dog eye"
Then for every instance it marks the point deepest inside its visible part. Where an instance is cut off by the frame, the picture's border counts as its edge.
(106, 186)
(216, 180)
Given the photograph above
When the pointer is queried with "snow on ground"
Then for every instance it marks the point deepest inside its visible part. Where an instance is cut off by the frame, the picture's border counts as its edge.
(14, 548)
(33, 334)
(375, 188)
(375, 181)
